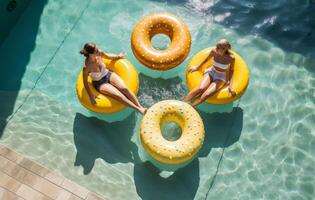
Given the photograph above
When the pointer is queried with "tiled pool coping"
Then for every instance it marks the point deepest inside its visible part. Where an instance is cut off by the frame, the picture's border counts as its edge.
(21, 178)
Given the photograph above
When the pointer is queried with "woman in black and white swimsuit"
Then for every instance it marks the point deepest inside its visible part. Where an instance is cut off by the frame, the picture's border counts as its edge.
(104, 80)
(216, 76)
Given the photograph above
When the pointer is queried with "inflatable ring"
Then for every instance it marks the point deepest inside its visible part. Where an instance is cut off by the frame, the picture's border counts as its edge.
(161, 23)
(172, 152)
(105, 104)
(240, 78)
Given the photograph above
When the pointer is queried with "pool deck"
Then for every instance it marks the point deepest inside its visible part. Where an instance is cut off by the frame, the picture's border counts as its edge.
(23, 179)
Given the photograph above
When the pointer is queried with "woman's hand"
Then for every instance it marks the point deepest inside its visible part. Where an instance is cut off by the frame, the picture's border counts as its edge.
(192, 68)
(92, 99)
(232, 91)
(121, 55)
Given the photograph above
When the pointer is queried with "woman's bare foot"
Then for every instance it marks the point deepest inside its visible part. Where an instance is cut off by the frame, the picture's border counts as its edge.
(143, 110)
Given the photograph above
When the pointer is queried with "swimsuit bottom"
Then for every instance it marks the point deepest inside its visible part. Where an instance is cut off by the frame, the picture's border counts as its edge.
(216, 75)
(105, 79)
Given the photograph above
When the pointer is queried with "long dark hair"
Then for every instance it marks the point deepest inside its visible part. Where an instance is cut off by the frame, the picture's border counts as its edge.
(88, 49)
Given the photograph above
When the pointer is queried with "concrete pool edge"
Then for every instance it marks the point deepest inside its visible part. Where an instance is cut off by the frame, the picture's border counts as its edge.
(21, 177)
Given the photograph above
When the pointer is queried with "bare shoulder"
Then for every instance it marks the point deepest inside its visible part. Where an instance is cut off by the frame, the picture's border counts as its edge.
(101, 52)
(212, 51)
(85, 69)
(231, 57)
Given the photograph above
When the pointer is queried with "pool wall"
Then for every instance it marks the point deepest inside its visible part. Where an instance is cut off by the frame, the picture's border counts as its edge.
(10, 12)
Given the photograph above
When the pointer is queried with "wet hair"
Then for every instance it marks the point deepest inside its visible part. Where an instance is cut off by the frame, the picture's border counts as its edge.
(88, 49)
(225, 43)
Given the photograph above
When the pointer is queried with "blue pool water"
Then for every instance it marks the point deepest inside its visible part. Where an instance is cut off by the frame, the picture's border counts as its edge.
(263, 149)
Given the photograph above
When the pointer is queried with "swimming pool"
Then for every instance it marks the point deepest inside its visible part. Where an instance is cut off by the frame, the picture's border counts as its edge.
(264, 149)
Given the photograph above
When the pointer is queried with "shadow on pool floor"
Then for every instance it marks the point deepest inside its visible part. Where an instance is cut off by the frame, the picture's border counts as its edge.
(222, 129)
(183, 184)
(95, 138)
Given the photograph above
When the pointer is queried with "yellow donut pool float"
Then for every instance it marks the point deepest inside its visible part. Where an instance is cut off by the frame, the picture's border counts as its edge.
(161, 23)
(240, 78)
(180, 150)
(106, 104)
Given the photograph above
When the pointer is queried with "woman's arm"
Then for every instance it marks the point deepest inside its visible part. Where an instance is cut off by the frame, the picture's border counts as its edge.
(110, 56)
(86, 85)
(195, 68)
(230, 77)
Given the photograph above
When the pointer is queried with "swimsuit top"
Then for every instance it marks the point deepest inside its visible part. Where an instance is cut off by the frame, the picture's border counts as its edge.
(96, 76)
(220, 65)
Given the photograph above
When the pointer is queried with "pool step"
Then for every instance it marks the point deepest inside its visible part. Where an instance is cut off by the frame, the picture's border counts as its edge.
(21, 178)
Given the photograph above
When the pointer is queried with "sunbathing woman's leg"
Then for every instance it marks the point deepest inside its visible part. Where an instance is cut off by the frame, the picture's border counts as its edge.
(113, 92)
(204, 84)
(214, 86)
(122, 87)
